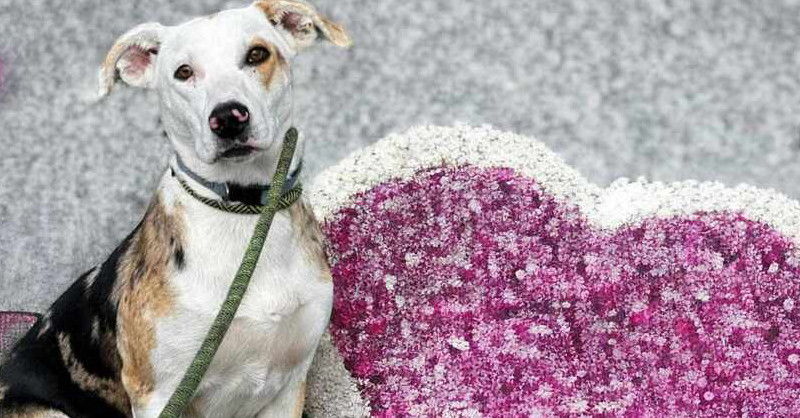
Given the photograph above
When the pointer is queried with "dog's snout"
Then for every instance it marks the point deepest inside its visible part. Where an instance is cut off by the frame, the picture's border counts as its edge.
(229, 119)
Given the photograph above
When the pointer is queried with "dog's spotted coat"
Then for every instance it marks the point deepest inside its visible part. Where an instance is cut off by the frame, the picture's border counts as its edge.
(117, 342)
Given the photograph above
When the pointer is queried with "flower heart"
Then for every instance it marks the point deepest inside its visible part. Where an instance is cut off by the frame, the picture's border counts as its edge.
(476, 275)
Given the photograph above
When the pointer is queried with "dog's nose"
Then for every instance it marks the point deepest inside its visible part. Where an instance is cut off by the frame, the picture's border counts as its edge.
(229, 119)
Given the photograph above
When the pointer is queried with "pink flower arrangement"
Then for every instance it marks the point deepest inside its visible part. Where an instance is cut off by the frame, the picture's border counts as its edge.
(471, 292)
(13, 325)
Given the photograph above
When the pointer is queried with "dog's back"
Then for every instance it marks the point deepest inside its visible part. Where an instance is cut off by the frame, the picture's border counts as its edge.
(69, 361)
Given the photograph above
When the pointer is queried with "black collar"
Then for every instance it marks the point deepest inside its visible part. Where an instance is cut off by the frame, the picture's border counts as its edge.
(230, 192)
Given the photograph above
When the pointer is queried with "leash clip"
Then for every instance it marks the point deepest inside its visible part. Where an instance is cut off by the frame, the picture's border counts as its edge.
(227, 195)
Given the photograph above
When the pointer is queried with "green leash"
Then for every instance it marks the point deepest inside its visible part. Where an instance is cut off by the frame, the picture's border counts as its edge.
(191, 380)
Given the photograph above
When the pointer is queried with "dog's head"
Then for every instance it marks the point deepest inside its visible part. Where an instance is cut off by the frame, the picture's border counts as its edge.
(223, 81)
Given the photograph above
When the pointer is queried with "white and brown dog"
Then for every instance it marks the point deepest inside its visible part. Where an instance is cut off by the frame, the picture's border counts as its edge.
(119, 340)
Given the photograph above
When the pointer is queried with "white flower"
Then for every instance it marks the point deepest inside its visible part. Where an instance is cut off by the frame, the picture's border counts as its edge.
(702, 296)
(537, 329)
(459, 343)
(788, 304)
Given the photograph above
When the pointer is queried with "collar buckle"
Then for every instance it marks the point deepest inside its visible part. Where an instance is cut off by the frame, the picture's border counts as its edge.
(227, 192)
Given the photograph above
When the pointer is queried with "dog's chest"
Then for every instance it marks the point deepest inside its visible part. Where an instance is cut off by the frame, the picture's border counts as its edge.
(277, 326)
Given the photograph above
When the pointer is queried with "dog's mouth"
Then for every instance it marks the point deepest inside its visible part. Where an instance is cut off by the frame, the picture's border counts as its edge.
(238, 151)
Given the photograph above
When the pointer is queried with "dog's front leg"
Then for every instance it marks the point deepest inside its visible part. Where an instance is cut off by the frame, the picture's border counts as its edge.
(288, 403)
(150, 410)
(156, 403)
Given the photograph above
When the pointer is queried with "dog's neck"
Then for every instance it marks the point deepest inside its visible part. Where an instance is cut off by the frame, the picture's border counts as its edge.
(244, 182)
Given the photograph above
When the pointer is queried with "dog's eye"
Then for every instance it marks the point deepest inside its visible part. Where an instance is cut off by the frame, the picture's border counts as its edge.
(184, 72)
(257, 55)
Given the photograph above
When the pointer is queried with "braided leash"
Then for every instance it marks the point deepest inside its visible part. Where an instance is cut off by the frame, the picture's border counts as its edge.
(191, 380)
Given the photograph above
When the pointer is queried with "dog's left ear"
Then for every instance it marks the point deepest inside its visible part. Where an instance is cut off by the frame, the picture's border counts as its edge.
(132, 58)
(303, 23)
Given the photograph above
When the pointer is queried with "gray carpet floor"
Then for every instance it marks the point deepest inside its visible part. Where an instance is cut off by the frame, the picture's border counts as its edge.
(667, 89)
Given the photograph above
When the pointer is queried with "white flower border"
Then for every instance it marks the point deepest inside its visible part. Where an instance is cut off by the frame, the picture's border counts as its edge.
(332, 391)
(624, 202)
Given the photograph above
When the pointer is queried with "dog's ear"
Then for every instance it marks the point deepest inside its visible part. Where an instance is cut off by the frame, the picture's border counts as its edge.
(132, 58)
(303, 23)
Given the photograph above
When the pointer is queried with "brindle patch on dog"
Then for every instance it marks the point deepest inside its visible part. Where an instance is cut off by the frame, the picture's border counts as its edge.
(32, 412)
(91, 351)
(49, 371)
(90, 277)
(308, 232)
(145, 295)
(107, 389)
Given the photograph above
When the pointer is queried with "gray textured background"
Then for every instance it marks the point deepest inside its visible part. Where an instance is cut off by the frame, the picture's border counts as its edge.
(665, 89)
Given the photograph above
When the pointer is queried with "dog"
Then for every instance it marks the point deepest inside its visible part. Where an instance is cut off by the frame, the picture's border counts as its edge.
(119, 340)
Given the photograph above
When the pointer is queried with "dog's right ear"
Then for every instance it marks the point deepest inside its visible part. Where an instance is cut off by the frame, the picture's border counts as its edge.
(303, 23)
(132, 58)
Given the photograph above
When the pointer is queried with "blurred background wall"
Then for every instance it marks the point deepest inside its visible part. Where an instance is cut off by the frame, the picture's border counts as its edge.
(670, 90)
